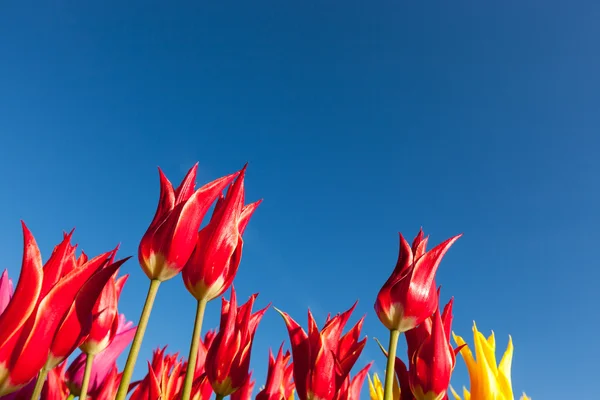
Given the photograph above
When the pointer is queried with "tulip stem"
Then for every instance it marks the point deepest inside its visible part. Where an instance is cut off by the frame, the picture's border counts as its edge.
(137, 340)
(71, 397)
(192, 358)
(39, 383)
(89, 361)
(219, 397)
(388, 393)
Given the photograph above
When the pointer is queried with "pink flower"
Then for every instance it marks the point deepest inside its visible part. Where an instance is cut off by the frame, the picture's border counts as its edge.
(6, 290)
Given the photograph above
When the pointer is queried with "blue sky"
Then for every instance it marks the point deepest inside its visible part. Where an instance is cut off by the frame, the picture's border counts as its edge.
(359, 120)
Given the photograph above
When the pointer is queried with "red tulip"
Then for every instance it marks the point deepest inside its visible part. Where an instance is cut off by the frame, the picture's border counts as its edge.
(428, 359)
(432, 364)
(228, 358)
(280, 384)
(201, 388)
(408, 297)
(169, 241)
(166, 373)
(55, 387)
(105, 317)
(164, 379)
(245, 392)
(432, 357)
(80, 319)
(205, 344)
(214, 263)
(104, 362)
(108, 389)
(41, 301)
(323, 360)
(351, 388)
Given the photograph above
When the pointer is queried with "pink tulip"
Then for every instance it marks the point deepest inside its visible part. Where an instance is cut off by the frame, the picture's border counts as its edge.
(6, 290)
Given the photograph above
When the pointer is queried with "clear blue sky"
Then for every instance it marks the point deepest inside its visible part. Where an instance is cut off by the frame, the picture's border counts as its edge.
(358, 121)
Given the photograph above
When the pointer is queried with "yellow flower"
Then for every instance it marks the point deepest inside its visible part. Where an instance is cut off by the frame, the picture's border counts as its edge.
(376, 388)
(488, 381)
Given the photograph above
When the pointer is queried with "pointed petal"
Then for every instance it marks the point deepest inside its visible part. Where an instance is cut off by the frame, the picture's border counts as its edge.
(28, 289)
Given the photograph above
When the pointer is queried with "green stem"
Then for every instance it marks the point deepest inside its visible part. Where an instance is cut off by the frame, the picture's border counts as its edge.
(39, 384)
(390, 372)
(89, 360)
(196, 335)
(219, 397)
(137, 340)
(71, 397)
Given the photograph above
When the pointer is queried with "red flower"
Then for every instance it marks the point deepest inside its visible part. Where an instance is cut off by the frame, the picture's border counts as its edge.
(350, 390)
(432, 364)
(408, 297)
(169, 240)
(432, 357)
(245, 392)
(214, 263)
(79, 320)
(105, 317)
(42, 299)
(104, 362)
(166, 374)
(55, 387)
(228, 357)
(164, 380)
(323, 360)
(108, 389)
(201, 389)
(280, 384)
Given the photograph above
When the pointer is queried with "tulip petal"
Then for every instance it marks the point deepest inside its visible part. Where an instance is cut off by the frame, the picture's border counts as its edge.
(28, 289)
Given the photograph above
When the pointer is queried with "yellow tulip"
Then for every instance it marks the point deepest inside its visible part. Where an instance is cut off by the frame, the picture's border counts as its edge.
(488, 381)
(376, 388)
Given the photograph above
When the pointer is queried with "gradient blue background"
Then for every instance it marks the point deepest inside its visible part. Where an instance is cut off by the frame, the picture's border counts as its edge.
(359, 120)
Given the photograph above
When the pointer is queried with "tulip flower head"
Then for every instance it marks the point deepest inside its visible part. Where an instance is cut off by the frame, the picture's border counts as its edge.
(214, 263)
(488, 380)
(81, 320)
(170, 239)
(280, 383)
(408, 297)
(351, 388)
(323, 359)
(201, 388)
(164, 379)
(245, 392)
(228, 357)
(55, 387)
(104, 362)
(108, 389)
(432, 364)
